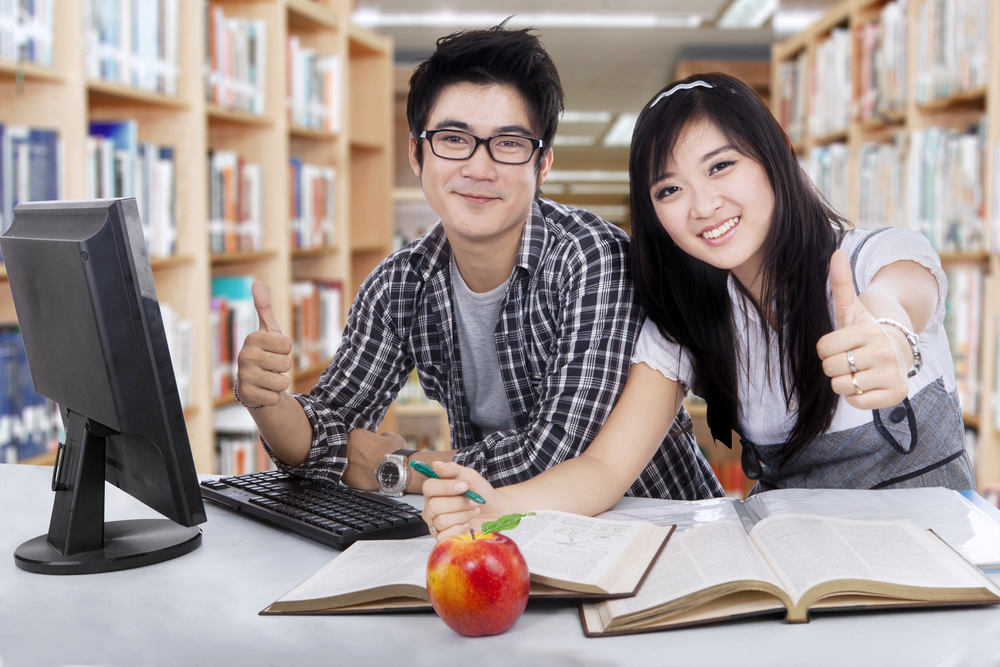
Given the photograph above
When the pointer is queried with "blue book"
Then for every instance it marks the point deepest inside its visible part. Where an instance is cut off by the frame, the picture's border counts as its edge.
(124, 136)
(233, 288)
(43, 165)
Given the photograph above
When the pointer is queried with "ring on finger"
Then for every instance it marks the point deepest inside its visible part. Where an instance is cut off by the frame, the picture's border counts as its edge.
(854, 380)
(434, 531)
(850, 361)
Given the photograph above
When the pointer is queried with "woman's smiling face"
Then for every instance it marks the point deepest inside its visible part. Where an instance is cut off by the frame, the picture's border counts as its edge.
(715, 202)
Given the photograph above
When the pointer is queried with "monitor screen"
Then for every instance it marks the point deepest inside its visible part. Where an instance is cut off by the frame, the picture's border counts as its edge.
(86, 304)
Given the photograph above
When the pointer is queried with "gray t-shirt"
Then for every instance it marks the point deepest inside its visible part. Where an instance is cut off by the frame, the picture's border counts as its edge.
(476, 316)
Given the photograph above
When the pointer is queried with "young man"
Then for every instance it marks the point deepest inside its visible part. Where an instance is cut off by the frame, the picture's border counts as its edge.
(517, 312)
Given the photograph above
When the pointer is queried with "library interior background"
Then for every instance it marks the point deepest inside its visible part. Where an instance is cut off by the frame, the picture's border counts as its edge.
(266, 140)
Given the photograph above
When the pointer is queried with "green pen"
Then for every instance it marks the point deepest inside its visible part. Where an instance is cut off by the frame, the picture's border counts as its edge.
(426, 470)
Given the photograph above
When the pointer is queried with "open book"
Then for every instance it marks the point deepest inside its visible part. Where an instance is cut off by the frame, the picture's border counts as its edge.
(971, 531)
(567, 556)
(791, 564)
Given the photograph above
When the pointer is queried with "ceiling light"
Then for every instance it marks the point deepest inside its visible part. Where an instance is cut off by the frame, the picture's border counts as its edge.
(574, 140)
(585, 117)
(592, 176)
(620, 133)
(747, 13)
(373, 18)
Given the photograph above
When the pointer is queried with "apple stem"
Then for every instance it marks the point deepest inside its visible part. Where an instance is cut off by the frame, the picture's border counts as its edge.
(472, 531)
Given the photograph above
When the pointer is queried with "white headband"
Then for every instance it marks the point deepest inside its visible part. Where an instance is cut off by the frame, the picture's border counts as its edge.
(681, 86)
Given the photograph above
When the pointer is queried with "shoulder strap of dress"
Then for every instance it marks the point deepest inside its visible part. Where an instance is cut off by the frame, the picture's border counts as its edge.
(857, 251)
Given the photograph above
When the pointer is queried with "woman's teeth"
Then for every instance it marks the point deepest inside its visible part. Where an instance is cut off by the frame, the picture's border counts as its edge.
(721, 229)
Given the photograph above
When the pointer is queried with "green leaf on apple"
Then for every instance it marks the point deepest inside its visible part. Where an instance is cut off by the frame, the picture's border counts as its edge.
(506, 522)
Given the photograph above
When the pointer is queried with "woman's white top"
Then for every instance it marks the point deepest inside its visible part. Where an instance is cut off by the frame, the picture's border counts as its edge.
(763, 414)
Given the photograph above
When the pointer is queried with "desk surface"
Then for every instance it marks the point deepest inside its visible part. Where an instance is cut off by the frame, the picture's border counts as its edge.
(201, 609)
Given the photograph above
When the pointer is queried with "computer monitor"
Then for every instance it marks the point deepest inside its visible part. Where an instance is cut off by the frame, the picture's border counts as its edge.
(87, 308)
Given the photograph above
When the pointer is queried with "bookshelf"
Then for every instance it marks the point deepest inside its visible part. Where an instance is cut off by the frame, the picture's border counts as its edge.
(878, 161)
(358, 149)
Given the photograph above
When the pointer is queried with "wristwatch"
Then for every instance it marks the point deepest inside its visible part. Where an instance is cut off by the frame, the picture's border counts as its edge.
(393, 473)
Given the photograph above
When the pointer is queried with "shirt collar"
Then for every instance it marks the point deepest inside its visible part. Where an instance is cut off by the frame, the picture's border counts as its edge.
(431, 253)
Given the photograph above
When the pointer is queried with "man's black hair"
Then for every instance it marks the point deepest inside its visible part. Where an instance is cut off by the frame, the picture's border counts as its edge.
(497, 55)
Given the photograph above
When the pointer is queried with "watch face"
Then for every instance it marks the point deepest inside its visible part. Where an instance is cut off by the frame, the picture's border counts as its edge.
(388, 475)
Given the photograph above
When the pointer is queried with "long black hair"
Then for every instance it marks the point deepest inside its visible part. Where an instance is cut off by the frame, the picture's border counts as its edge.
(688, 299)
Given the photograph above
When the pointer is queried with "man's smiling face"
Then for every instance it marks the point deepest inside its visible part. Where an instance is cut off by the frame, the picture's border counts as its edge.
(480, 200)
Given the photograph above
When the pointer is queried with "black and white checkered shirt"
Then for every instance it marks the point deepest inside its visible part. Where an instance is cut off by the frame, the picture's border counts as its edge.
(564, 340)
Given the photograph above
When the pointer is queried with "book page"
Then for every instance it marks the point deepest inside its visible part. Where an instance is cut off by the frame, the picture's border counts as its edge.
(569, 547)
(951, 516)
(806, 551)
(365, 565)
(685, 514)
(709, 555)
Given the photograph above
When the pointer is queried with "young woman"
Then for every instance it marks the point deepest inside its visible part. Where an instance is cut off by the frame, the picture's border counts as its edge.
(822, 347)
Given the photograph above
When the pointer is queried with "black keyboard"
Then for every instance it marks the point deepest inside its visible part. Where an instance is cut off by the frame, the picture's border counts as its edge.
(331, 514)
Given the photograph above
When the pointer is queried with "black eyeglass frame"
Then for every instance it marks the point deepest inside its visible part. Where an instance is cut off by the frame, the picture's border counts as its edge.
(535, 145)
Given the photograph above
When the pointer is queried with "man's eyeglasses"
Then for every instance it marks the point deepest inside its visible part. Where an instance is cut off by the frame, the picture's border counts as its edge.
(503, 148)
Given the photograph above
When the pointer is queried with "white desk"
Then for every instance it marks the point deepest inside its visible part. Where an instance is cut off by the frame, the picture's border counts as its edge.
(201, 609)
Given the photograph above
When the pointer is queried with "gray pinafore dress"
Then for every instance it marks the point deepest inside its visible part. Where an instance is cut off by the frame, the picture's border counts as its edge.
(918, 442)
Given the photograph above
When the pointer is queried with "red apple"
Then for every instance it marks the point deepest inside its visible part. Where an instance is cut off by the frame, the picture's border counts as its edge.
(478, 586)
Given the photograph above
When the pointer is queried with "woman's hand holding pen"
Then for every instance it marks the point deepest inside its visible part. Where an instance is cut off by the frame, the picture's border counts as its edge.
(865, 362)
(447, 511)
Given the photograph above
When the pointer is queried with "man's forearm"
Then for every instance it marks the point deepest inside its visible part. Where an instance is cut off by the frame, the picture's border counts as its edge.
(286, 429)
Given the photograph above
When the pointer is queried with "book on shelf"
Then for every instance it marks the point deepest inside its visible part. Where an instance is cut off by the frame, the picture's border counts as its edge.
(830, 90)
(312, 206)
(231, 318)
(963, 319)
(881, 183)
(881, 65)
(953, 46)
(26, 31)
(793, 99)
(235, 61)
(316, 322)
(314, 88)
(236, 192)
(180, 342)
(828, 168)
(567, 555)
(119, 165)
(238, 448)
(31, 168)
(791, 565)
(945, 186)
(132, 43)
(30, 424)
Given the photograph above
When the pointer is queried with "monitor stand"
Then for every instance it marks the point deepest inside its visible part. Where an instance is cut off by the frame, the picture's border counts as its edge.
(79, 540)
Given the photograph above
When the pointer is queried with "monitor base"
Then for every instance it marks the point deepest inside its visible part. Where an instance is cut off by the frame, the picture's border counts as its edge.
(127, 544)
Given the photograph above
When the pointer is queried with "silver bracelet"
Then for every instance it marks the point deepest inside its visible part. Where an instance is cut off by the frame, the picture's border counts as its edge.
(240, 401)
(912, 339)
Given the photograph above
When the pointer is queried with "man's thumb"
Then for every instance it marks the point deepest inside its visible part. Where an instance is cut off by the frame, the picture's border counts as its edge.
(842, 283)
(262, 302)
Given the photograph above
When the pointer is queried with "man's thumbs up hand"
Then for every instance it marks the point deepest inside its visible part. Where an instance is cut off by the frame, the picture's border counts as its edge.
(264, 357)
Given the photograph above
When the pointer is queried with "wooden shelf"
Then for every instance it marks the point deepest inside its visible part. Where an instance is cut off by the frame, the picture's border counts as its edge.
(306, 15)
(306, 253)
(219, 259)
(171, 262)
(218, 114)
(976, 96)
(12, 69)
(105, 92)
(308, 133)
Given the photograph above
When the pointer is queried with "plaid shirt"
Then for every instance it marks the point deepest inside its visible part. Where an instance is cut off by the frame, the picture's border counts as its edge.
(564, 341)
